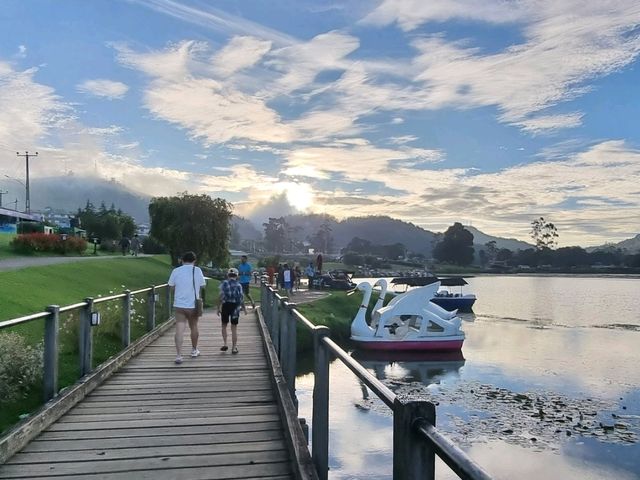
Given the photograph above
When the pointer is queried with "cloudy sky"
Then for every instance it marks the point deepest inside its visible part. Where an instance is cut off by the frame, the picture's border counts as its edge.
(488, 112)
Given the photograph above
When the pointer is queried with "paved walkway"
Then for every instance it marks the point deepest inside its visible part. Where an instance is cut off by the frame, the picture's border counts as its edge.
(16, 263)
(212, 417)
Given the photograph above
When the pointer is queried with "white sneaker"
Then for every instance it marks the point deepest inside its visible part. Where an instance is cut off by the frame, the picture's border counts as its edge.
(195, 353)
(179, 359)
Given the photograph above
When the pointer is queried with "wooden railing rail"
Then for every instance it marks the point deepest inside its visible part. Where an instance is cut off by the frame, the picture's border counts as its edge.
(416, 440)
(52, 329)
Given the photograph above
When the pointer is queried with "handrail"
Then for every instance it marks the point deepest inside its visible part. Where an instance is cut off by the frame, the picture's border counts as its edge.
(380, 389)
(86, 322)
(451, 454)
(416, 439)
(27, 318)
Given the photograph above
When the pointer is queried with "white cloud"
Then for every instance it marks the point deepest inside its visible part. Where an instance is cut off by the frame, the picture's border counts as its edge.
(238, 54)
(565, 45)
(103, 88)
(29, 109)
(103, 131)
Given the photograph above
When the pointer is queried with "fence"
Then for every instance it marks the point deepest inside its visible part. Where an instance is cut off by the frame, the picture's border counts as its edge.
(416, 440)
(89, 317)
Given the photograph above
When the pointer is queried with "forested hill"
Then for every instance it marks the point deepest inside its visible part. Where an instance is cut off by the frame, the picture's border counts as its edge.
(379, 230)
(480, 239)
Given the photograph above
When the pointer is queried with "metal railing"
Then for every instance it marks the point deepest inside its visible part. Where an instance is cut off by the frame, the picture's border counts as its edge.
(416, 440)
(87, 322)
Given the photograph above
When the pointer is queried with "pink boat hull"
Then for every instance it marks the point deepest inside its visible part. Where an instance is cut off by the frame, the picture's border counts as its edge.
(434, 345)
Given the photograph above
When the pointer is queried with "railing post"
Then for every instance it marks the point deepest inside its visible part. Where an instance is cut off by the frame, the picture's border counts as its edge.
(126, 319)
(151, 309)
(413, 458)
(86, 338)
(275, 324)
(167, 301)
(320, 423)
(288, 348)
(50, 355)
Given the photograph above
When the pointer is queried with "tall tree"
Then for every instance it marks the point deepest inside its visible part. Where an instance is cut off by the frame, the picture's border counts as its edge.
(544, 233)
(276, 234)
(192, 222)
(322, 240)
(456, 246)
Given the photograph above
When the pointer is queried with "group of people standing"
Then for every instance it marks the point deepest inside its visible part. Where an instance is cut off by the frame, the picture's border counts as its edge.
(187, 282)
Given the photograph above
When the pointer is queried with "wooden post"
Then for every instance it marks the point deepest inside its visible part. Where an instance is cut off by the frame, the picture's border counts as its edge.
(274, 322)
(86, 338)
(50, 356)
(265, 303)
(126, 319)
(413, 458)
(167, 301)
(320, 423)
(288, 348)
(277, 323)
(151, 309)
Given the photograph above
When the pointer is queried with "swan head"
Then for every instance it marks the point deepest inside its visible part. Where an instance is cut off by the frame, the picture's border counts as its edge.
(381, 282)
(362, 286)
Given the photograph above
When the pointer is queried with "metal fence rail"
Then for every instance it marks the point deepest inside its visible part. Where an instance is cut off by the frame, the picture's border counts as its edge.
(86, 309)
(416, 440)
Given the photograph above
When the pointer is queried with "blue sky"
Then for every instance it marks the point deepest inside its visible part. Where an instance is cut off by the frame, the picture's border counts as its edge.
(486, 112)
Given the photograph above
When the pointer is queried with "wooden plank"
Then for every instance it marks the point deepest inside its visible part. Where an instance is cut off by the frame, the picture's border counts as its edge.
(133, 466)
(248, 471)
(163, 423)
(137, 442)
(214, 411)
(102, 454)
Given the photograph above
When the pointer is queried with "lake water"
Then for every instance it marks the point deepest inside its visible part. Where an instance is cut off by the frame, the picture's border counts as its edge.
(548, 385)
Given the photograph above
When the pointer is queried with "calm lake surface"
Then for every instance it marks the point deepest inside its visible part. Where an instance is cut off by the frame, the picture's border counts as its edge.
(548, 385)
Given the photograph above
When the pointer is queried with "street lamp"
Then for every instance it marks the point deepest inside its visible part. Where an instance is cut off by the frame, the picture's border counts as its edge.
(21, 183)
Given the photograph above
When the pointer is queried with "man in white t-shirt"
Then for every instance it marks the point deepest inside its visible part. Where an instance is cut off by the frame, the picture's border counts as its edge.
(186, 281)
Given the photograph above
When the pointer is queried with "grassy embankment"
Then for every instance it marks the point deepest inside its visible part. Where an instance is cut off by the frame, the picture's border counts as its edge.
(30, 290)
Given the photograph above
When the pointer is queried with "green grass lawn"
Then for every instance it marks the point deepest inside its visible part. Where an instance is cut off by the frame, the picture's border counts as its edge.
(31, 289)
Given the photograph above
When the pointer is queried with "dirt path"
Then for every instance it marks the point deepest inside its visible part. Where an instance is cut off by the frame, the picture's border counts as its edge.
(16, 263)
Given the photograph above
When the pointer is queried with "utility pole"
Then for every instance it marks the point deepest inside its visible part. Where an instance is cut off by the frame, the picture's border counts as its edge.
(2, 193)
(27, 201)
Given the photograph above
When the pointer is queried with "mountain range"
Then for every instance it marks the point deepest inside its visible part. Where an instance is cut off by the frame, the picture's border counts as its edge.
(67, 193)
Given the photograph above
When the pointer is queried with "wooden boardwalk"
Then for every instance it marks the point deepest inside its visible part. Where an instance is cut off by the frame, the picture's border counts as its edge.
(212, 417)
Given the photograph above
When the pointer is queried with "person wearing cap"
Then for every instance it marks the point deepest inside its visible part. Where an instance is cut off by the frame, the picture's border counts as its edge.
(231, 302)
(186, 281)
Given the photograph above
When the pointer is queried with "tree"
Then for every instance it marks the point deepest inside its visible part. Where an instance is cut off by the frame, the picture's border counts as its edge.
(322, 240)
(195, 223)
(275, 234)
(456, 246)
(492, 251)
(105, 224)
(358, 245)
(544, 233)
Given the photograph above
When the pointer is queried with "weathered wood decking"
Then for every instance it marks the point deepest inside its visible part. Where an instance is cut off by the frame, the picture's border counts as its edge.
(213, 417)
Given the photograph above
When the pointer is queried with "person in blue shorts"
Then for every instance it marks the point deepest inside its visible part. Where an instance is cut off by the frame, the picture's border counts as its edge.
(244, 272)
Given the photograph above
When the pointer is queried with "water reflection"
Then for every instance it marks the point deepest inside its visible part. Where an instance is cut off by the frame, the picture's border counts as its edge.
(424, 367)
(568, 346)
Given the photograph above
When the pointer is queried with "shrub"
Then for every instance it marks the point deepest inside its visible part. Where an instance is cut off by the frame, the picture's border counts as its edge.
(41, 242)
(151, 245)
(20, 367)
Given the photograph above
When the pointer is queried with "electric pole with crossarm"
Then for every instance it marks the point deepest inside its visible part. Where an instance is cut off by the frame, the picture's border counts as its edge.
(27, 202)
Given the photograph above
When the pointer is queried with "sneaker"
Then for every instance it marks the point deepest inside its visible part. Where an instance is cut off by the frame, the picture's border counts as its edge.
(235, 350)
(224, 348)
(179, 359)
(195, 353)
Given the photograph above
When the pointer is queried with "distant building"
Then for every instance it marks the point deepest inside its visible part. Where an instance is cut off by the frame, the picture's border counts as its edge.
(9, 219)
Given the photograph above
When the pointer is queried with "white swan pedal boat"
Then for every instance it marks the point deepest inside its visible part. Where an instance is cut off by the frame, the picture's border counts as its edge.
(410, 322)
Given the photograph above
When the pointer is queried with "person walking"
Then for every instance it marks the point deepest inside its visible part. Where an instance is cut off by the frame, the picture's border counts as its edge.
(244, 272)
(135, 245)
(231, 302)
(288, 277)
(124, 244)
(186, 281)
